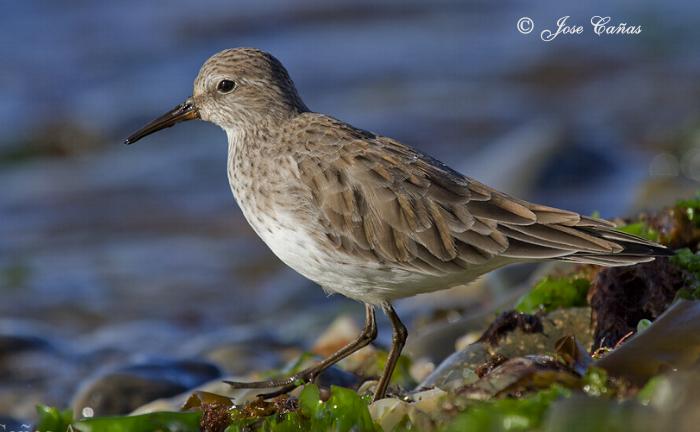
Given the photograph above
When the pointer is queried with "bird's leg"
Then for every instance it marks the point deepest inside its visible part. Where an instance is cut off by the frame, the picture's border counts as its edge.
(398, 340)
(369, 334)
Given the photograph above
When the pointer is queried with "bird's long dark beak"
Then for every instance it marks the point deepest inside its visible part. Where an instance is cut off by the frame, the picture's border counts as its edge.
(183, 112)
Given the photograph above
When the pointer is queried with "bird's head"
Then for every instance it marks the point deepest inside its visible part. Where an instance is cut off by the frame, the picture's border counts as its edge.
(235, 88)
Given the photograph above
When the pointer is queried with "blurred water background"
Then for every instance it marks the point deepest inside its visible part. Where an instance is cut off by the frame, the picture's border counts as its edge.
(110, 252)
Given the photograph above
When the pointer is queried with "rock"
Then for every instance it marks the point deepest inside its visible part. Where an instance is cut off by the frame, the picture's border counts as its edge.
(128, 337)
(368, 387)
(35, 369)
(240, 359)
(671, 342)
(392, 414)
(12, 344)
(341, 332)
(421, 368)
(217, 386)
(122, 390)
(428, 400)
(337, 376)
(332, 376)
(240, 350)
(461, 368)
(509, 321)
(580, 413)
(532, 372)
(436, 341)
(675, 401)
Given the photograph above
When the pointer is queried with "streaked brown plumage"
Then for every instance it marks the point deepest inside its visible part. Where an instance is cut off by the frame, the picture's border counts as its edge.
(367, 216)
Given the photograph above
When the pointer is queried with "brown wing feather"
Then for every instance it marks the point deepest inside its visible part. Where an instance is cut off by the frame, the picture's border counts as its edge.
(379, 197)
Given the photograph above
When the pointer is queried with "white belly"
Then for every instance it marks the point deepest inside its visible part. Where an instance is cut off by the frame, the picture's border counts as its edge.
(337, 272)
(290, 242)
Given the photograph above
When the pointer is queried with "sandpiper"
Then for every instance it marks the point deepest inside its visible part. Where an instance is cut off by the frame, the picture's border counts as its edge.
(364, 215)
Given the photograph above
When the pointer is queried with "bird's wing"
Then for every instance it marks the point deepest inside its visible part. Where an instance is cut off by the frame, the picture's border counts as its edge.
(380, 198)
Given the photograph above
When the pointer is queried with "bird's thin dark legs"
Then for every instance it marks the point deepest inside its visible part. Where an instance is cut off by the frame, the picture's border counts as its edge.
(398, 340)
(369, 333)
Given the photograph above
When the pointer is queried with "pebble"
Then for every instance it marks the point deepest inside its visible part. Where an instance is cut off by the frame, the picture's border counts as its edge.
(122, 390)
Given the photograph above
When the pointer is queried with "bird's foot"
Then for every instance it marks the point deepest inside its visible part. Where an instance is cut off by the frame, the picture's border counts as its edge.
(285, 384)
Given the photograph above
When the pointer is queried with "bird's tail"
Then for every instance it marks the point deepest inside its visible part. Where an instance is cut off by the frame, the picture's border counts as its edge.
(633, 249)
(567, 236)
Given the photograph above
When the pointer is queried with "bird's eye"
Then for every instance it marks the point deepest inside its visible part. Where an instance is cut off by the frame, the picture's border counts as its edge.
(225, 86)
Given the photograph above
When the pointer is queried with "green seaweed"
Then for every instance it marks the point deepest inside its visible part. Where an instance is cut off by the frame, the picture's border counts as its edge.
(553, 293)
(343, 411)
(643, 324)
(690, 262)
(691, 207)
(687, 260)
(649, 390)
(522, 414)
(157, 421)
(52, 419)
(595, 382)
(640, 229)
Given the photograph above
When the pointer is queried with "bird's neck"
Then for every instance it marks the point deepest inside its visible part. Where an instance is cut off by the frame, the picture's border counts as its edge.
(248, 139)
(252, 152)
(262, 173)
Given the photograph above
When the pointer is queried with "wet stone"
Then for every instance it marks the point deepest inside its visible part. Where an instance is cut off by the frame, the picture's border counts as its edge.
(15, 350)
(239, 350)
(510, 321)
(520, 374)
(34, 369)
(125, 389)
(593, 414)
(12, 344)
(241, 359)
(216, 386)
(464, 367)
(391, 414)
(337, 376)
(669, 343)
